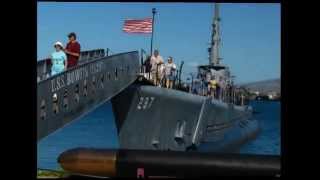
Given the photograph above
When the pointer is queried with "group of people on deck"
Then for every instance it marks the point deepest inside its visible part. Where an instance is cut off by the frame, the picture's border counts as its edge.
(213, 86)
(207, 86)
(65, 58)
(161, 74)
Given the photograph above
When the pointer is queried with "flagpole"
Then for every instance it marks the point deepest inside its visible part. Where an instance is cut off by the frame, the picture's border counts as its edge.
(153, 13)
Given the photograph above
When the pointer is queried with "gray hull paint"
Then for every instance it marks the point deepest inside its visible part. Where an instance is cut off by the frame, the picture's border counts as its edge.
(155, 118)
(147, 117)
(81, 89)
(231, 138)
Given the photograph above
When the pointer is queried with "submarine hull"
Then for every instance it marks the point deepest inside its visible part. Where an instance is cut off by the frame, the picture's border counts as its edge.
(230, 139)
(153, 118)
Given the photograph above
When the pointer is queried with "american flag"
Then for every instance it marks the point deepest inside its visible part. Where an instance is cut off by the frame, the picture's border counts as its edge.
(138, 25)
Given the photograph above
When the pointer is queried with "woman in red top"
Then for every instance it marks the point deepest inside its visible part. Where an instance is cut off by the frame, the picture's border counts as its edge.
(72, 50)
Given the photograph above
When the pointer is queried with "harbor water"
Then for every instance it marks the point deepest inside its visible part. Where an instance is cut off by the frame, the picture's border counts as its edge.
(97, 129)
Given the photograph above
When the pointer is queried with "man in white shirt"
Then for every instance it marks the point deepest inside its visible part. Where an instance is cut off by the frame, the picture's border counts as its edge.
(155, 60)
(170, 69)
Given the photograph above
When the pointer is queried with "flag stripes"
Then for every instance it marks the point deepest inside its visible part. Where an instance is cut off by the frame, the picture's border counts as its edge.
(138, 25)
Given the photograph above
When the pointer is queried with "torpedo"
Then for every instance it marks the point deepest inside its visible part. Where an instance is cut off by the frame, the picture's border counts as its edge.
(153, 163)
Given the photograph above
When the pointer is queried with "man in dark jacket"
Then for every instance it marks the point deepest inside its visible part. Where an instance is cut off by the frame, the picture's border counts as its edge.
(147, 64)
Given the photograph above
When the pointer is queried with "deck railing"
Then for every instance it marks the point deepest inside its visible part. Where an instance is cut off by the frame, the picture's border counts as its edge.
(44, 65)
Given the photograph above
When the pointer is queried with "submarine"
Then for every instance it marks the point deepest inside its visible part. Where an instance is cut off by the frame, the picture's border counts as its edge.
(151, 117)
(151, 121)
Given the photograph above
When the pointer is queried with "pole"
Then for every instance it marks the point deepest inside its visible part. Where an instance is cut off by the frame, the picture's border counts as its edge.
(176, 79)
(191, 82)
(153, 13)
(180, 71)
(142, 65)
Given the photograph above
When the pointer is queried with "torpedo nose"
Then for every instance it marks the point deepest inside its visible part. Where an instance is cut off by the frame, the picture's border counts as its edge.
(87, 161)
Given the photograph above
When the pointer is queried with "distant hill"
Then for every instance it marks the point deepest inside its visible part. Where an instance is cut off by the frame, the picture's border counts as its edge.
(264, 86)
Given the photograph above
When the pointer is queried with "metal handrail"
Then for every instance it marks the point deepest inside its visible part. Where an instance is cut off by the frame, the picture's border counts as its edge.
(43, 65)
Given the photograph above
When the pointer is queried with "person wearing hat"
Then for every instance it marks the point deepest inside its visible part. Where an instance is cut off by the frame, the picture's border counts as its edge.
(58, 59)
(72, 50)
(170, 68)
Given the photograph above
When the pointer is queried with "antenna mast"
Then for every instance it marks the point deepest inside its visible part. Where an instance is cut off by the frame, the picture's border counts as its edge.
(214, 58)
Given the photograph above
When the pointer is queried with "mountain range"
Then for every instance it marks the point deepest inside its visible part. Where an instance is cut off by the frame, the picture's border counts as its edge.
(264, 86)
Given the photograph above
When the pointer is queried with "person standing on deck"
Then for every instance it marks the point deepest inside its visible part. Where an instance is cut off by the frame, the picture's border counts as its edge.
(58, 59)
(72, 50)
(207, 82)
(218, 91)
(155, 60)
(147, 65)
(170, 68)
(203, 85)
(161, 73)
(229, 93)
(213, 86)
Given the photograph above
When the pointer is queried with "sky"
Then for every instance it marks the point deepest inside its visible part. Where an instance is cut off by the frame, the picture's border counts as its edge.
(250, 32)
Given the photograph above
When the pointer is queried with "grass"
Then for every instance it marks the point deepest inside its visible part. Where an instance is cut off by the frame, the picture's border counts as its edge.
(41, 173)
